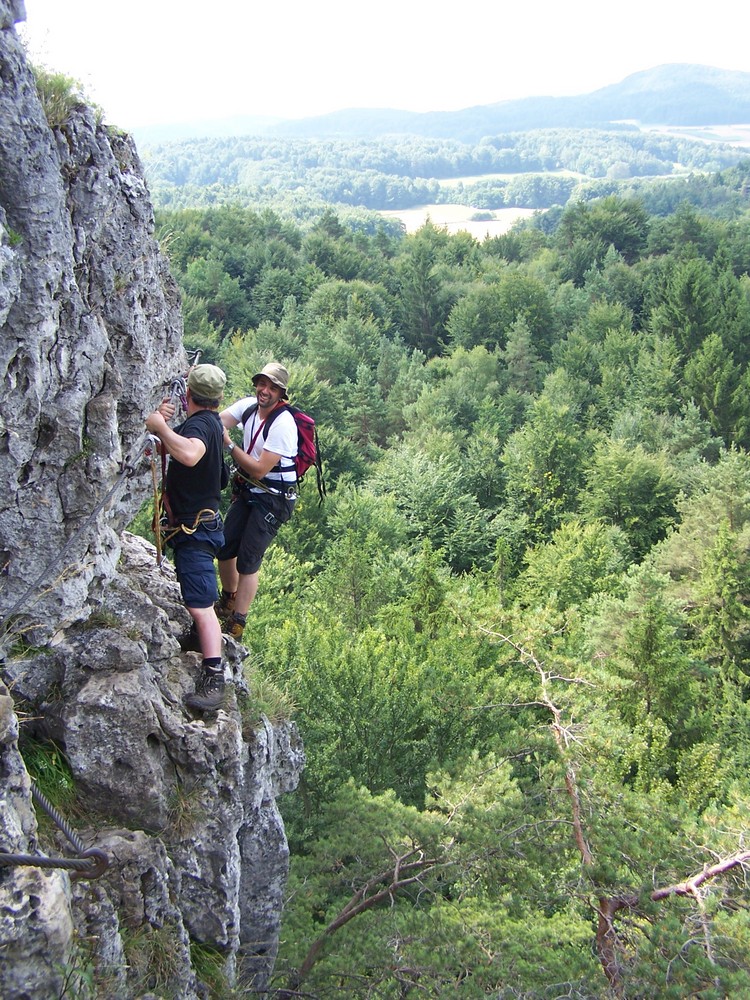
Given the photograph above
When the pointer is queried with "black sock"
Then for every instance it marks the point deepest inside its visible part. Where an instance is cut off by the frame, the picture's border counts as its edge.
(240, 618)
(211, 663)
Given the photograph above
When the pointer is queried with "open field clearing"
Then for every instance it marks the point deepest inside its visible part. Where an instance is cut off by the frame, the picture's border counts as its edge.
(451, 182)
(458, 217)
(733, 135)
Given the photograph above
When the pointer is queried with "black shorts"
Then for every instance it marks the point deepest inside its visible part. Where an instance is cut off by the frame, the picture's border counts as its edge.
(251, 525)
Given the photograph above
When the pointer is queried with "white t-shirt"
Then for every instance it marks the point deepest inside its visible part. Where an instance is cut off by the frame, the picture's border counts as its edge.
(282, 439)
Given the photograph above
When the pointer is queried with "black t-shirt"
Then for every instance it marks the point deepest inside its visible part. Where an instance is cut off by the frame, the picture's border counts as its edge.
(194, 488)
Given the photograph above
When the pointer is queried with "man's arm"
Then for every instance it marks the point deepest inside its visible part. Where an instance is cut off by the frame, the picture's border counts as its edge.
(187, 451)
(256, 468)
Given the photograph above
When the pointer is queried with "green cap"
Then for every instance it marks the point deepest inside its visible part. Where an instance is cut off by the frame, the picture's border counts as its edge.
(207, 381)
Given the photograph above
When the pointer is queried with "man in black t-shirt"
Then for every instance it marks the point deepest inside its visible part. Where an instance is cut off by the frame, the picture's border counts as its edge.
(193, 495)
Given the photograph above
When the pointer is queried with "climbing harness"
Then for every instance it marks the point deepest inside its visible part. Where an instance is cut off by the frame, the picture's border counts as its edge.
(241, 481)
(90, 863)
(205, 516)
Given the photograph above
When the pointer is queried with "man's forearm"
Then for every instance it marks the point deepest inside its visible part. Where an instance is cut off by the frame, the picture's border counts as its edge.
(187, 451)
(256, 468)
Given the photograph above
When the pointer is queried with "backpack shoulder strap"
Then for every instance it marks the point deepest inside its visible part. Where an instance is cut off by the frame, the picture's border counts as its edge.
(248, 413)
(272, 416)
(253, 408)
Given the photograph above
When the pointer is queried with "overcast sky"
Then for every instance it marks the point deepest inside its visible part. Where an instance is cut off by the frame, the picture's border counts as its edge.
(154, 62)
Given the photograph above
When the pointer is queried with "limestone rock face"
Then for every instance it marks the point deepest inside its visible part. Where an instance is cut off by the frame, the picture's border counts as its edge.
(35, 914)
(183, 808)
(90, 329)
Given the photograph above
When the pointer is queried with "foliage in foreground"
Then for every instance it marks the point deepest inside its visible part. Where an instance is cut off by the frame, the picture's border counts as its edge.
(517, 632)
(59, 95)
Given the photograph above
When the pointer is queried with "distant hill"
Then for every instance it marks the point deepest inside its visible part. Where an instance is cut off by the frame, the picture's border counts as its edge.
(219, 128)
(678, 94)
(673, 94)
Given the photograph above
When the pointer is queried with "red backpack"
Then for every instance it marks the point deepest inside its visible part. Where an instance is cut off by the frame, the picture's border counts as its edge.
(308, 449)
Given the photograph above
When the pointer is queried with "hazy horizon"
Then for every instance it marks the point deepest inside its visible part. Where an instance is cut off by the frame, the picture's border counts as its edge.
(164, 63)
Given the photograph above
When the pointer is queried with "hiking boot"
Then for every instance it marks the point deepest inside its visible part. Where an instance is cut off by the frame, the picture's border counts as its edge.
(224, 606)
(234, 627)
(209, 691)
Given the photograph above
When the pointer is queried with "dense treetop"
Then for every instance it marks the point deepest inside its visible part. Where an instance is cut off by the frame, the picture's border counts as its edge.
(517, 633)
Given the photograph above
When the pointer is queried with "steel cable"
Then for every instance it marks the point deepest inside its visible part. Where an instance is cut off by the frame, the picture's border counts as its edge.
(90, 863)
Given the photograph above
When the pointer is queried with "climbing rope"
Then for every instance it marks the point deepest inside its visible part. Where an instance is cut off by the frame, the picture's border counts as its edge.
(90, 863)
(157, 501)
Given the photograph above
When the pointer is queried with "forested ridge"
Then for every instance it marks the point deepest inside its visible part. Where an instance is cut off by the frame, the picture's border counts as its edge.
(681, 94)
(516, 635)
(534, 169)
(678, 93)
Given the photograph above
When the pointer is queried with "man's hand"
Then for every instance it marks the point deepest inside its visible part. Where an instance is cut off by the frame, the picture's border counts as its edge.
(167, 409)
(155, 423)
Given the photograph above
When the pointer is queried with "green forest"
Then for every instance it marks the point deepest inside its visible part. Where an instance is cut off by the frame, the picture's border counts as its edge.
(534, 169)
(515, 636)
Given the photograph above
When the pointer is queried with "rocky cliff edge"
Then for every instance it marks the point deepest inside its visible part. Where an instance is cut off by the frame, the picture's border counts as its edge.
(180, 857)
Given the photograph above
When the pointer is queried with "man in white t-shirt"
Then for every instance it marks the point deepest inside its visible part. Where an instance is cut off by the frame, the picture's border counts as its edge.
(265, 490)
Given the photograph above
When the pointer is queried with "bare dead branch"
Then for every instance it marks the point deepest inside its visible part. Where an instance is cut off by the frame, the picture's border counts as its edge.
(607, 939)
(403, 873)
(690, 886)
